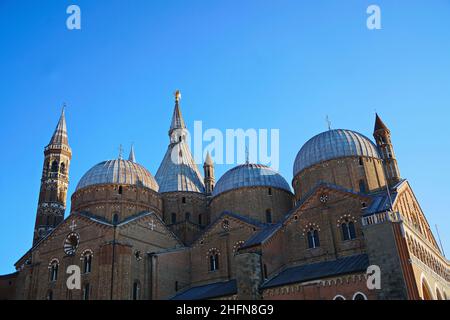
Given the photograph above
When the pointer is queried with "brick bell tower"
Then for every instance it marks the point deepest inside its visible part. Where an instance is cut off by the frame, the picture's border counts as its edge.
(382, 137)
(54, 182)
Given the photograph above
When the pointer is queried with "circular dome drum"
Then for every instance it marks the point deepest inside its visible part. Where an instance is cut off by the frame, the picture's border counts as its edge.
(118, 171)
(334, 144)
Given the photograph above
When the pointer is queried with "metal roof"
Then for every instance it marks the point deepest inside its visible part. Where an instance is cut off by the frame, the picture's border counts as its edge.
(208, 291)
(118, 171)
(178, 171)
(334, 144)
(250, 175)
(320, 270)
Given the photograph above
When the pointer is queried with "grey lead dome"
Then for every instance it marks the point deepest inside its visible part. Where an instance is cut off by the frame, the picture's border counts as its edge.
(250, 175)
(334, 144)
(118, 172)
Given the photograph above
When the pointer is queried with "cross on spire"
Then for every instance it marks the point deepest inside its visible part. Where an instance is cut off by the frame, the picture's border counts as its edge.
(120, 152)
(328, 122)
(72, 226)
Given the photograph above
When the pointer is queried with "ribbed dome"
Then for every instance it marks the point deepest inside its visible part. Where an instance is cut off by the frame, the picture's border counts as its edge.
(250, 175)
(118, 172)
(334, 144)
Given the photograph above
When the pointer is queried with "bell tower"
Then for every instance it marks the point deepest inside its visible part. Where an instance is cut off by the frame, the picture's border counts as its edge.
(209, 179)
(382, 137)
(54, 182)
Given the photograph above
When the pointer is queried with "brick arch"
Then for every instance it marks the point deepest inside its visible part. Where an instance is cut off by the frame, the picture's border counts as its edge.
(425, 289)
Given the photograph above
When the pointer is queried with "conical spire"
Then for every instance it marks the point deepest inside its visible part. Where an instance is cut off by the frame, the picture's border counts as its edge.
(132, 157)
(60, 135)
(379, 124)
(208, 159)
(178, 170)
(177, 118)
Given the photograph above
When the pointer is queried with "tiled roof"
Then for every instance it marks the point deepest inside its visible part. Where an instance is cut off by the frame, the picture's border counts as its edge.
(208, 291)
(320, 270)
(333, 144)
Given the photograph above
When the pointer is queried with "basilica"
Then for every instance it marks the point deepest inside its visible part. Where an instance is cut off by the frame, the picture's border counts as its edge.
(348, 227)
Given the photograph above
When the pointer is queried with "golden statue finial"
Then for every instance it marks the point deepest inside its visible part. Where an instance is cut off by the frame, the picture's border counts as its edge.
(177, 95)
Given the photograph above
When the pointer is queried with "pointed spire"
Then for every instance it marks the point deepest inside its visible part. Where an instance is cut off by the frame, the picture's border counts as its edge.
(208, 159)
(379, 124)
(60, 135)
(132, 157)
(177, 118)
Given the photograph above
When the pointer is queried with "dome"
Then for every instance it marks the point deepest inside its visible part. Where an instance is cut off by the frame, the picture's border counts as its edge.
(250, 175)
(334, 144)
(118, 172)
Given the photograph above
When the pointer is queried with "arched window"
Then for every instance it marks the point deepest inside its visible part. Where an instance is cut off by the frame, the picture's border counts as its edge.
(183, 200)
(359, 296)
(55, 166)
(187, 216)
(87, 261)
(339, 297)
(313, 238)
(269, 216)
(115, 218)
(361, 162)
(49, 295)
(213, 261)
(86, 291)
(348, 230)
(270, 191)
(63, 168)
(54, 270)
(120, 189)
(362, 186)
(136, 290)
(174, 217)
(426, 292)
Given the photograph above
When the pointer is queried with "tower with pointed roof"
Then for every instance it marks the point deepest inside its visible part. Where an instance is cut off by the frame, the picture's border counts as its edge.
(209, 180)
(54, 182)
(382, 137)
(178, 170)
(181, 184)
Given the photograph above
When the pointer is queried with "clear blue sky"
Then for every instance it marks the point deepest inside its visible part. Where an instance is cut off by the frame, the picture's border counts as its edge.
(239, 63)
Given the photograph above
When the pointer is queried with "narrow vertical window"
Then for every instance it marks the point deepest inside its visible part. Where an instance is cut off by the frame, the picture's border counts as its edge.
(345, 234)
(200, 219)
(313, 238)
(86, 289)
(54, 270)
(115, 218)
(136, 290)
(269, 216)
(213, 261)
(362, 186)
(174, 217)
(87, 262)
